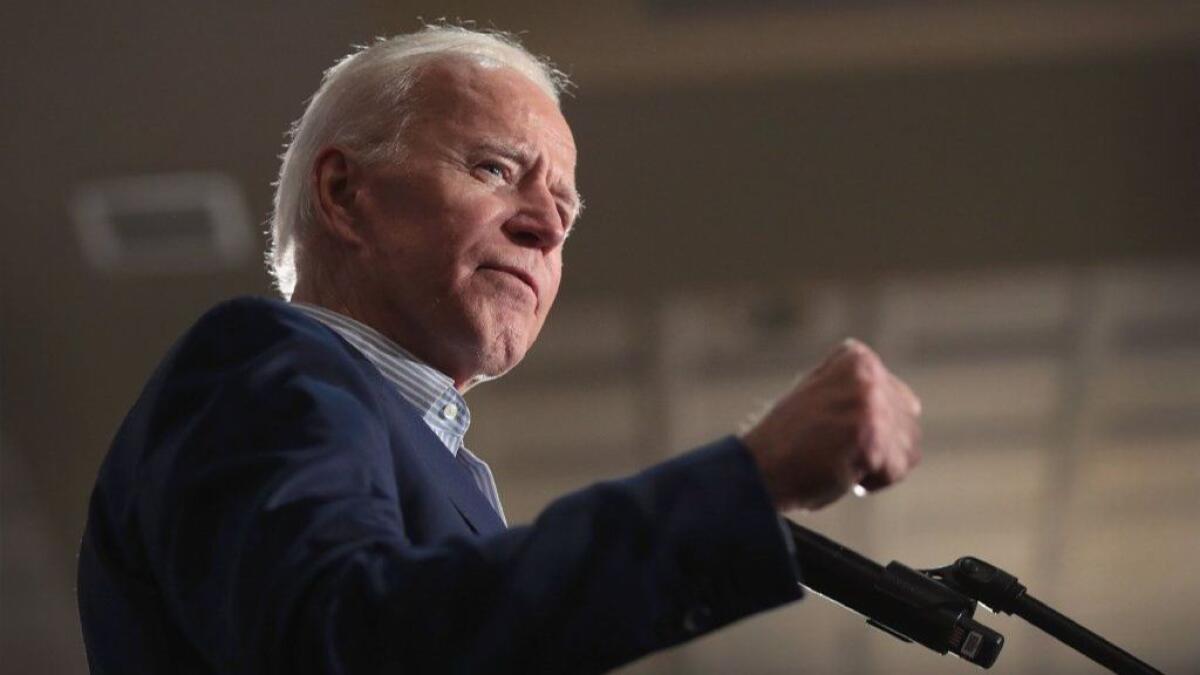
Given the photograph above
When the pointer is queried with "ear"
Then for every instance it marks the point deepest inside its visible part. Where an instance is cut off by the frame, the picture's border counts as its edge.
(337, 180)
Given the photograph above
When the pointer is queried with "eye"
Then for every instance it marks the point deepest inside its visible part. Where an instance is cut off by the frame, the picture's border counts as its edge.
(493, 169)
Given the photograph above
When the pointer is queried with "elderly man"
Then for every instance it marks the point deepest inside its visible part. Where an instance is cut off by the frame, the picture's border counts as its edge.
(291, 494)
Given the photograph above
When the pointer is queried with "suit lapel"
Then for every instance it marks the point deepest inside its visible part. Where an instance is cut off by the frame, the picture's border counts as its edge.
(451, 476)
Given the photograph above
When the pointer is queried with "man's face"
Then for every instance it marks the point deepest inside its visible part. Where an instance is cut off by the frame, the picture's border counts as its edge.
(463, 237)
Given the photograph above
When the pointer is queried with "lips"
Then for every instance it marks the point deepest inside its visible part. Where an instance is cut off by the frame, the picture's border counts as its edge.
(521, 275)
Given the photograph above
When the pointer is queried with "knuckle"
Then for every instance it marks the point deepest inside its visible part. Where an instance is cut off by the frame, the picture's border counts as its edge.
(878, 402)
(868, 356)
(863, 391)
(849, 346)
(862, 370)
(870, 456)
(870, 412)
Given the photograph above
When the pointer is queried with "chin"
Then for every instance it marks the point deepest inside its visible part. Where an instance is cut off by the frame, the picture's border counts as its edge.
(480, 355)
(500, 336)
(502, 356)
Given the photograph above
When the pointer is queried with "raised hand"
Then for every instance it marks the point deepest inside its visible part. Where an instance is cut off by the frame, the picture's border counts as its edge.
(848, 422)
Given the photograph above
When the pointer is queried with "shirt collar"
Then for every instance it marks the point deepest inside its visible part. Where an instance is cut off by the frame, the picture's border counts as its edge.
(424, 387)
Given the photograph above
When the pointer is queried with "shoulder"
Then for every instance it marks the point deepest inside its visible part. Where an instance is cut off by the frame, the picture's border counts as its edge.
(261, 361)
(256, 320)
(245, 326)
(260, 341)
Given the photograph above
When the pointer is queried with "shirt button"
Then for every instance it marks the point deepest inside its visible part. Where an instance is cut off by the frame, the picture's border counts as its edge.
(450, 412)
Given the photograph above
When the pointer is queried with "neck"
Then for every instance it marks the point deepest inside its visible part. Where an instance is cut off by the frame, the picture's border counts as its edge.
(331, 296)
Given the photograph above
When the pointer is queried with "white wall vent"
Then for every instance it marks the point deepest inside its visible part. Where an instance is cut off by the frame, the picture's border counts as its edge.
(162, 223)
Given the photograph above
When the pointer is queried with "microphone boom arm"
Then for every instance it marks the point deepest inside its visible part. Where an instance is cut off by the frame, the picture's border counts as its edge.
(936, 607)
(896, 599)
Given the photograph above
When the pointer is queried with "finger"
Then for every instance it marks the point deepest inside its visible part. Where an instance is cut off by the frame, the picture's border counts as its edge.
(912, 402)
(894, 469)
(836, 356)
(907, 435)
(914, 444)
(872, 483)
(899, 455)
(869, 468)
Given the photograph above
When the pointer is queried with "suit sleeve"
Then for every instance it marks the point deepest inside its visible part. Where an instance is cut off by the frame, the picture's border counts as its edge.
(270, 519)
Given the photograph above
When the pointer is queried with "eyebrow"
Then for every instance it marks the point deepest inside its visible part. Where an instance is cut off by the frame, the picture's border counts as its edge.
(520, 154)
(525, 156)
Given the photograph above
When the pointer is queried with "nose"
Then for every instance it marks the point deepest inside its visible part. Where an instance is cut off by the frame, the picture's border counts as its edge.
(537, 223)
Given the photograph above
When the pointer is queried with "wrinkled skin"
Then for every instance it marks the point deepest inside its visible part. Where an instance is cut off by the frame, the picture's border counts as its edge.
(455, 252)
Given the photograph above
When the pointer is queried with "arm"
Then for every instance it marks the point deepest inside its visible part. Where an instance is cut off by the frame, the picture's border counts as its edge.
(271, 521)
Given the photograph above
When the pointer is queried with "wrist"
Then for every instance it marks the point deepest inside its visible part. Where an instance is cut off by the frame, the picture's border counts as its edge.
(767, 470)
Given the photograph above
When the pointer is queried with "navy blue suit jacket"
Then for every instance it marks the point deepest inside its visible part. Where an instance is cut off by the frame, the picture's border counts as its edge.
(272, 505)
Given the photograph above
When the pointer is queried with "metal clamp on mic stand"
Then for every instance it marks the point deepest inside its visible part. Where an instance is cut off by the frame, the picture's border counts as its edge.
(999, 591)
(936, 608)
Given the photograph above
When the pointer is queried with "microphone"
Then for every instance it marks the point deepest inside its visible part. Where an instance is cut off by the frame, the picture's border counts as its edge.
(896, 599)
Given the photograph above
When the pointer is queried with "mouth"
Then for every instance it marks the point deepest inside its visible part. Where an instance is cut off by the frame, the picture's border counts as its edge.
(520, 274)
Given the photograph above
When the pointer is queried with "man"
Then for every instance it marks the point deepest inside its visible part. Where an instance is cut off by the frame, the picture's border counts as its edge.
(290, 494)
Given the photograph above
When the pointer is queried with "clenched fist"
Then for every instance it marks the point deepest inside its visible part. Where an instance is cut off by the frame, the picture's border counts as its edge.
(848, 422)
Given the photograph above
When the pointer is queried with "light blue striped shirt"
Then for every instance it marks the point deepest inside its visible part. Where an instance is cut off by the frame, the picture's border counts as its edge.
(429, 390)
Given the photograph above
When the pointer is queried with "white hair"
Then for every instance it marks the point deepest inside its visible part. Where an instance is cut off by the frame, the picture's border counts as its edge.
(362, 104)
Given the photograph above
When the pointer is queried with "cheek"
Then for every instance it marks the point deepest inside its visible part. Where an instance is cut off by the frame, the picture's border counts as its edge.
(467, 204)
(554, 279)
(473, 230)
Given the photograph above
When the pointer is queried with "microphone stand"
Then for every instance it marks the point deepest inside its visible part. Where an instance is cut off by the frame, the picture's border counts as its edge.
(936, 607)
(999, 591)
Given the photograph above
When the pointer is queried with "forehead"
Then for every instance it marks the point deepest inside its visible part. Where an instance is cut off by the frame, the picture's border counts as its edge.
(492, 103)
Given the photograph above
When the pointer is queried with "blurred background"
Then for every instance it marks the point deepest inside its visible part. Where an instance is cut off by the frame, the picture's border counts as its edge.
(1001, 196)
